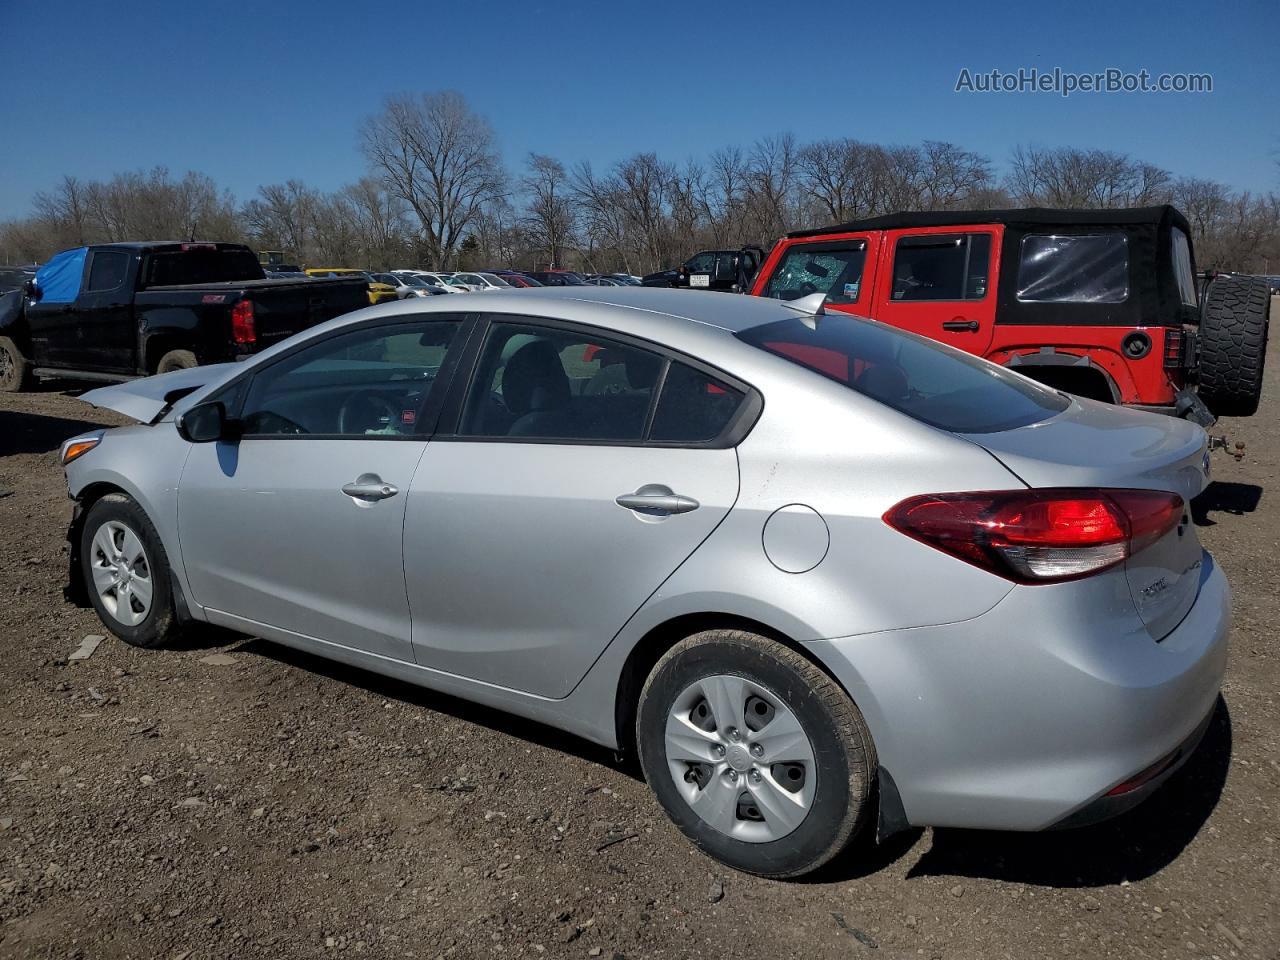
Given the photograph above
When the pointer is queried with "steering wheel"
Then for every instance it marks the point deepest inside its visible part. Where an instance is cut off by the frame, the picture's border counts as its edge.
(807, 289)
(272, 423)
(364, 410)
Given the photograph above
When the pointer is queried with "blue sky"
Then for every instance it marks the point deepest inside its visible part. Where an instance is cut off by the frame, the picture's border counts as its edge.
(254, 93)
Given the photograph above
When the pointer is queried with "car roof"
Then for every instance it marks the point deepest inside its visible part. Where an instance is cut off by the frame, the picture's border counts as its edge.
(1039, 216)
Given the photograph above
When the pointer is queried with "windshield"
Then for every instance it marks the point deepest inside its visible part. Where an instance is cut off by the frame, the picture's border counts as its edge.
(926, 380)
(496, 280)
(834, 269)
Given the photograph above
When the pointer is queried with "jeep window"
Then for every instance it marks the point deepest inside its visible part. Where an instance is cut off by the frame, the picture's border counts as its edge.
(941, 267)
(1074, 269)
(924, 379)
(701, 263)
(1182, 267)
(808, 268)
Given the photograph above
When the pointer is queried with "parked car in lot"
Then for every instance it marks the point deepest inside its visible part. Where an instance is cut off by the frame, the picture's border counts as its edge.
(405, 286)
(481, 281)
(820, 573)
(519, 280)
(1102, 303)
(378, 292)
(444, 281)
(117, 310)
(556, 278)
(727, 270)
(12, 278)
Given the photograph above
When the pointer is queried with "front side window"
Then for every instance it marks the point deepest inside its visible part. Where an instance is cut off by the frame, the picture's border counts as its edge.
(1182, 267)
(108, 271)
(947, 266)
(1074, 269)
(834, 269)
(924, 379)
(701, 263)
(367, 383)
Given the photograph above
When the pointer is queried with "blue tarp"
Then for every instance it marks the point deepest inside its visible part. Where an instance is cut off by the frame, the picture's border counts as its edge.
(59, 279)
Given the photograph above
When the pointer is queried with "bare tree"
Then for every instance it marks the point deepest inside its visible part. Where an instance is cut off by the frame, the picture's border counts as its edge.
(1069, 177)
(439, 157)
(551, 217)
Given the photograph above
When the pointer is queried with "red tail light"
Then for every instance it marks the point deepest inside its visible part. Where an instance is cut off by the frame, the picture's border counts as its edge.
(1039, 536)
(243, 328)
(1173, 348)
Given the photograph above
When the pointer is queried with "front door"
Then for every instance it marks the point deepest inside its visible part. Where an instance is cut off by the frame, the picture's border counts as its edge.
(106, 332)
(842, 268)
(941, 284)
(582, 473)
(299, 524)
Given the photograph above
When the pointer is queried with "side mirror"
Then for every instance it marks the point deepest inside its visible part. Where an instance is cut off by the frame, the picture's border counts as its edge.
(203, 423)
(31, 291)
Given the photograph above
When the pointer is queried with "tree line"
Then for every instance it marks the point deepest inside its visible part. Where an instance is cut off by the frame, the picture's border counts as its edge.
(437, 195)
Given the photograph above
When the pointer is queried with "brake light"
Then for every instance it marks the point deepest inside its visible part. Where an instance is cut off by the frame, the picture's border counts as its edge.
(244, 329)
(1173, 348)
(1039, 536)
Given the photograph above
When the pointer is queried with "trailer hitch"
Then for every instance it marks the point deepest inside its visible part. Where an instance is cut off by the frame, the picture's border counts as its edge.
(1223, 443)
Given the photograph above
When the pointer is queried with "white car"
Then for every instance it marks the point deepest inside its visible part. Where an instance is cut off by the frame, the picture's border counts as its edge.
(444, 281)
(482, 281)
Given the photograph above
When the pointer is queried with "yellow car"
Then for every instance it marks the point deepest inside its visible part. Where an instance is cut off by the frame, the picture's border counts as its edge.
(378, 292)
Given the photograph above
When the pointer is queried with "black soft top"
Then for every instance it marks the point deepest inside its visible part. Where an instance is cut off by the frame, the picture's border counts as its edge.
(1161, 216)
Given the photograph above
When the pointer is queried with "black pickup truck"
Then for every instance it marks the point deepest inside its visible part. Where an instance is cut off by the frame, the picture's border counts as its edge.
(115, 311)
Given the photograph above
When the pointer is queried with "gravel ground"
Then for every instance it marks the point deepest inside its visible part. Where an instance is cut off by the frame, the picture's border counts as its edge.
(236, 799)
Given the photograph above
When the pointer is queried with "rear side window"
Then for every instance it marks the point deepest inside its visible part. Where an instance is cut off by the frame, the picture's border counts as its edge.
(550, 384)
(1182, 267)
(941, 267)
(1074, 269)
(921, 378)
(108, 270)
(693, 407)
(831, 268)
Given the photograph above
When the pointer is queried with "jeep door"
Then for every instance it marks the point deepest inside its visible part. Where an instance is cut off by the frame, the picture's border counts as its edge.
(940, 282)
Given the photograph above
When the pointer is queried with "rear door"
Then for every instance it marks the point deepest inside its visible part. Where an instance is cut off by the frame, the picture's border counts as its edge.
(940, 283)
(842, 267)
(582, 471)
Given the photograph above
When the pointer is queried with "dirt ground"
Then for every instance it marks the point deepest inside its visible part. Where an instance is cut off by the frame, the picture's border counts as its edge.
(271, 804)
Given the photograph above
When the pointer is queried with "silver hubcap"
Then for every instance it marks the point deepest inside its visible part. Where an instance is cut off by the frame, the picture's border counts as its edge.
(740, 758)
(121, 573)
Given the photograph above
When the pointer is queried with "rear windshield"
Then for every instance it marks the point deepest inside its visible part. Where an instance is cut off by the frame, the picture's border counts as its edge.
(927, 381)
(201, 266)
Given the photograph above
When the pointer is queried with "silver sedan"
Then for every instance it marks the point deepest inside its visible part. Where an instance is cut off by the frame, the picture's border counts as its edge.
(816, 572)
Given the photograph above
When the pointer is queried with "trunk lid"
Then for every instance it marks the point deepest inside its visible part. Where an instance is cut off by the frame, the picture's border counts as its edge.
(147, 398)
(1093, 444)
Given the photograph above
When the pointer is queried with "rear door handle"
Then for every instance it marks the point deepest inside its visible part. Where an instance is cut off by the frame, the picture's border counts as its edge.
(961, 326)
(653, 498)
(369, 486)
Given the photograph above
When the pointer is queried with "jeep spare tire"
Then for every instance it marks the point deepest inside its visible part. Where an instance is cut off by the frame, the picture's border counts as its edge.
(1233, 344)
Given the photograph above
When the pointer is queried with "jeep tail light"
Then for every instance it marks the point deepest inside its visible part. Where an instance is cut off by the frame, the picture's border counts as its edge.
(243, 328)
(1173, 343)
(1039, 536)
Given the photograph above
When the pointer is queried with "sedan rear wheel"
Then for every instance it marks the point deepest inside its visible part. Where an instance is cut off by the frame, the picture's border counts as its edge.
(126, 572)
(758, 756)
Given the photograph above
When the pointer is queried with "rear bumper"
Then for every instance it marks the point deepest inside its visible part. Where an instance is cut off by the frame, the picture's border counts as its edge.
(1027, 715)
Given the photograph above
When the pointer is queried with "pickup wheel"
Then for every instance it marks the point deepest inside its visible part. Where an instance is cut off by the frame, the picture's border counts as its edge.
(15, 371)
(1233, 344)
(177, 360)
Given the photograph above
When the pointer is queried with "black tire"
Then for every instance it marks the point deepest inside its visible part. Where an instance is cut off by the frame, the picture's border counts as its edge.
(843, 750)
(1233, 344)
(15, 371)
(160, 623)
(177, 360)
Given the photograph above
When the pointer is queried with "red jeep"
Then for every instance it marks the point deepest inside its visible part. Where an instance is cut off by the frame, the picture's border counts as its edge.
(1100, 303)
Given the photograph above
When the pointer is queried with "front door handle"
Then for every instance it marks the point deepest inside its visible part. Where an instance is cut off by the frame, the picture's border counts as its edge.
(655, 499)
(369, 486)
(961, 326)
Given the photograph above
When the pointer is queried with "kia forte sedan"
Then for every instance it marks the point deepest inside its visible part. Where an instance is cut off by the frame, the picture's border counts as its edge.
(818, 573)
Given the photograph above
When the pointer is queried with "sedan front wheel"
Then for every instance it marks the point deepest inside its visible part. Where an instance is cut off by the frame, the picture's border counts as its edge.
(758, 756)
(126, 572)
